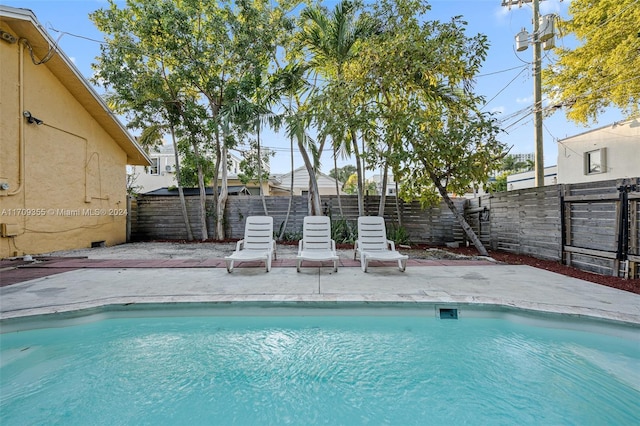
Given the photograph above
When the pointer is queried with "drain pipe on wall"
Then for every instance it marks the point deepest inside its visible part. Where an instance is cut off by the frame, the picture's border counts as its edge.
(21, 142)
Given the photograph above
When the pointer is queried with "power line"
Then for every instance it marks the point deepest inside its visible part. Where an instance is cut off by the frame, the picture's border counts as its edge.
(499, 72)
(504, 88)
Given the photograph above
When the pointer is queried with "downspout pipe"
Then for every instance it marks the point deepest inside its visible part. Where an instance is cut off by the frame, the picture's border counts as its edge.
(21, 143)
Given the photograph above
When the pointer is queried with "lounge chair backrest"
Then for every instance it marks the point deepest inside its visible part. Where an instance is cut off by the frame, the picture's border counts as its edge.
(316, 233)
(372, 233)
(258, 233)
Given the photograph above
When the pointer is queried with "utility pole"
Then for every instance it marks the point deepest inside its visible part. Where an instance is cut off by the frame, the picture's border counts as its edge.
(537, 87)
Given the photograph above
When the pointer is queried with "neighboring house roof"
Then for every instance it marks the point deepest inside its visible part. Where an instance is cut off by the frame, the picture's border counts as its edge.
(25, 24)
(632, 122)
(301, 179)
(231, 190)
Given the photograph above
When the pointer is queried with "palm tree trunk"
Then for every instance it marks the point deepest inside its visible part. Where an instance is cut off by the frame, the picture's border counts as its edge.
(264, 202)
(359, 173)
(383, 192)
(398, 211)
(314, 197)
(286, 219)
(335, 167)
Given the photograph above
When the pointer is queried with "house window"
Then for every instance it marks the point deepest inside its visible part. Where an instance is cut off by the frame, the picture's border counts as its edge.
(155, 165)
(595, 162)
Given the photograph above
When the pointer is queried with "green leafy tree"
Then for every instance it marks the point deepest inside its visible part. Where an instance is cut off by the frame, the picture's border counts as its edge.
(252, 169)
(499, 184)
(351, 184)
(603, 70)
(448, 154)
(420, 74)
(511, 164)
(343, 173)
(136, 70)
(196, 59)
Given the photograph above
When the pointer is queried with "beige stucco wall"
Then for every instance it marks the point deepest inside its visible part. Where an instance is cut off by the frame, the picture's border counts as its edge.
(621, 142)
(73, 187)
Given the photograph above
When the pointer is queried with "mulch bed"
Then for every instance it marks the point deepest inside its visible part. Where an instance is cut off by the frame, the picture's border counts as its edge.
(632, 285)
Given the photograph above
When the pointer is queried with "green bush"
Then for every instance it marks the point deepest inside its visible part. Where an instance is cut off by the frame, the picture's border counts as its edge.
(343, 231)
(398, 234)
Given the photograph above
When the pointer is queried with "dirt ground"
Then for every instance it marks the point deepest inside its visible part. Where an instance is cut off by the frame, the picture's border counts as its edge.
(204, 250)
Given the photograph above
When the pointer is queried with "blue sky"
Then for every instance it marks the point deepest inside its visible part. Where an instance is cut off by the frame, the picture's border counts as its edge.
(505, 80)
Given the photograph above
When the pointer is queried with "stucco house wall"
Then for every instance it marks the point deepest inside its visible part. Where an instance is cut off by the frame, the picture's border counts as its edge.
(62, 181)
(162, 172)
(616, 146)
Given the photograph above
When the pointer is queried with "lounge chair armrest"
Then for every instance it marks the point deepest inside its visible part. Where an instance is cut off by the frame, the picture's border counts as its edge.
(300, 247)
(355, 250)
(333, 245)
(275, 254)
(239, 245)
(392, 245)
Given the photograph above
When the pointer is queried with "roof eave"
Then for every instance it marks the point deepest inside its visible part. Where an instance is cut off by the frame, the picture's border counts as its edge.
(64, 69)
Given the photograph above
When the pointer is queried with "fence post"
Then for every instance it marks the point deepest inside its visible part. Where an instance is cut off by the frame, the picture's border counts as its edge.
(128, 231)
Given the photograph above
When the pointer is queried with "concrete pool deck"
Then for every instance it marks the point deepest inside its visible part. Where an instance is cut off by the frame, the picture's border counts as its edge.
(482, 283)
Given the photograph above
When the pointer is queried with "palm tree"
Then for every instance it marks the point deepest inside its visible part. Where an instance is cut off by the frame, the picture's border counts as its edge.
(332, 39)
(289, 81)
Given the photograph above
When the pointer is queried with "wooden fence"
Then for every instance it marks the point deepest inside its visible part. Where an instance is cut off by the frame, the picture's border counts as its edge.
(160, 217)
(600, 227)
(526, 221)
(593, 226)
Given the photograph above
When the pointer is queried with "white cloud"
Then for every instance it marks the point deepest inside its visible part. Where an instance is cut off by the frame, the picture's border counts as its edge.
(527, 100)
(553, 6)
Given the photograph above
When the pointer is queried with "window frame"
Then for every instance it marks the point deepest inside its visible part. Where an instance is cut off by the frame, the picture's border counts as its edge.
(590, 165)
(155, 166)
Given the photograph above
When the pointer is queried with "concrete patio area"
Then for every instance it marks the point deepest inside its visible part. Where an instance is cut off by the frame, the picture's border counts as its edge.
(459, 283)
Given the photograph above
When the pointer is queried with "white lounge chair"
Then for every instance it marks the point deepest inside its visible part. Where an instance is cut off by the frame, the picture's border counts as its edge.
(372, 243)
(316, 244)
(258, 242)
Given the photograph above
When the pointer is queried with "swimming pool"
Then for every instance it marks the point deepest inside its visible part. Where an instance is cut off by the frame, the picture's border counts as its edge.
(329, 366)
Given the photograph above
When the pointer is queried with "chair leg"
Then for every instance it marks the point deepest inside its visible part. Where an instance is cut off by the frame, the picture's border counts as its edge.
(335, 266)
(268, 263)
(298, 265)
(402, 264)
(363, 262)
(229, 266)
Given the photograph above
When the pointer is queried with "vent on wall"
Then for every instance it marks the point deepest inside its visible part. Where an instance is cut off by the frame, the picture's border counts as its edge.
(96, 244)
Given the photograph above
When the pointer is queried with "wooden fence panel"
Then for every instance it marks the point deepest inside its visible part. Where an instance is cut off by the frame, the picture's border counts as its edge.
(160, 217)
(600, 227)
(579, 224)
(526, 221)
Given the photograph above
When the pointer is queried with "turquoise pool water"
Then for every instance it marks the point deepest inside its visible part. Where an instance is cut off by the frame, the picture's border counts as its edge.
(324, 369)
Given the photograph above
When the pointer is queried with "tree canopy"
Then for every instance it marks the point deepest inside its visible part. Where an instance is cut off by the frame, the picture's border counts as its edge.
(603, 70)
(378, 81)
